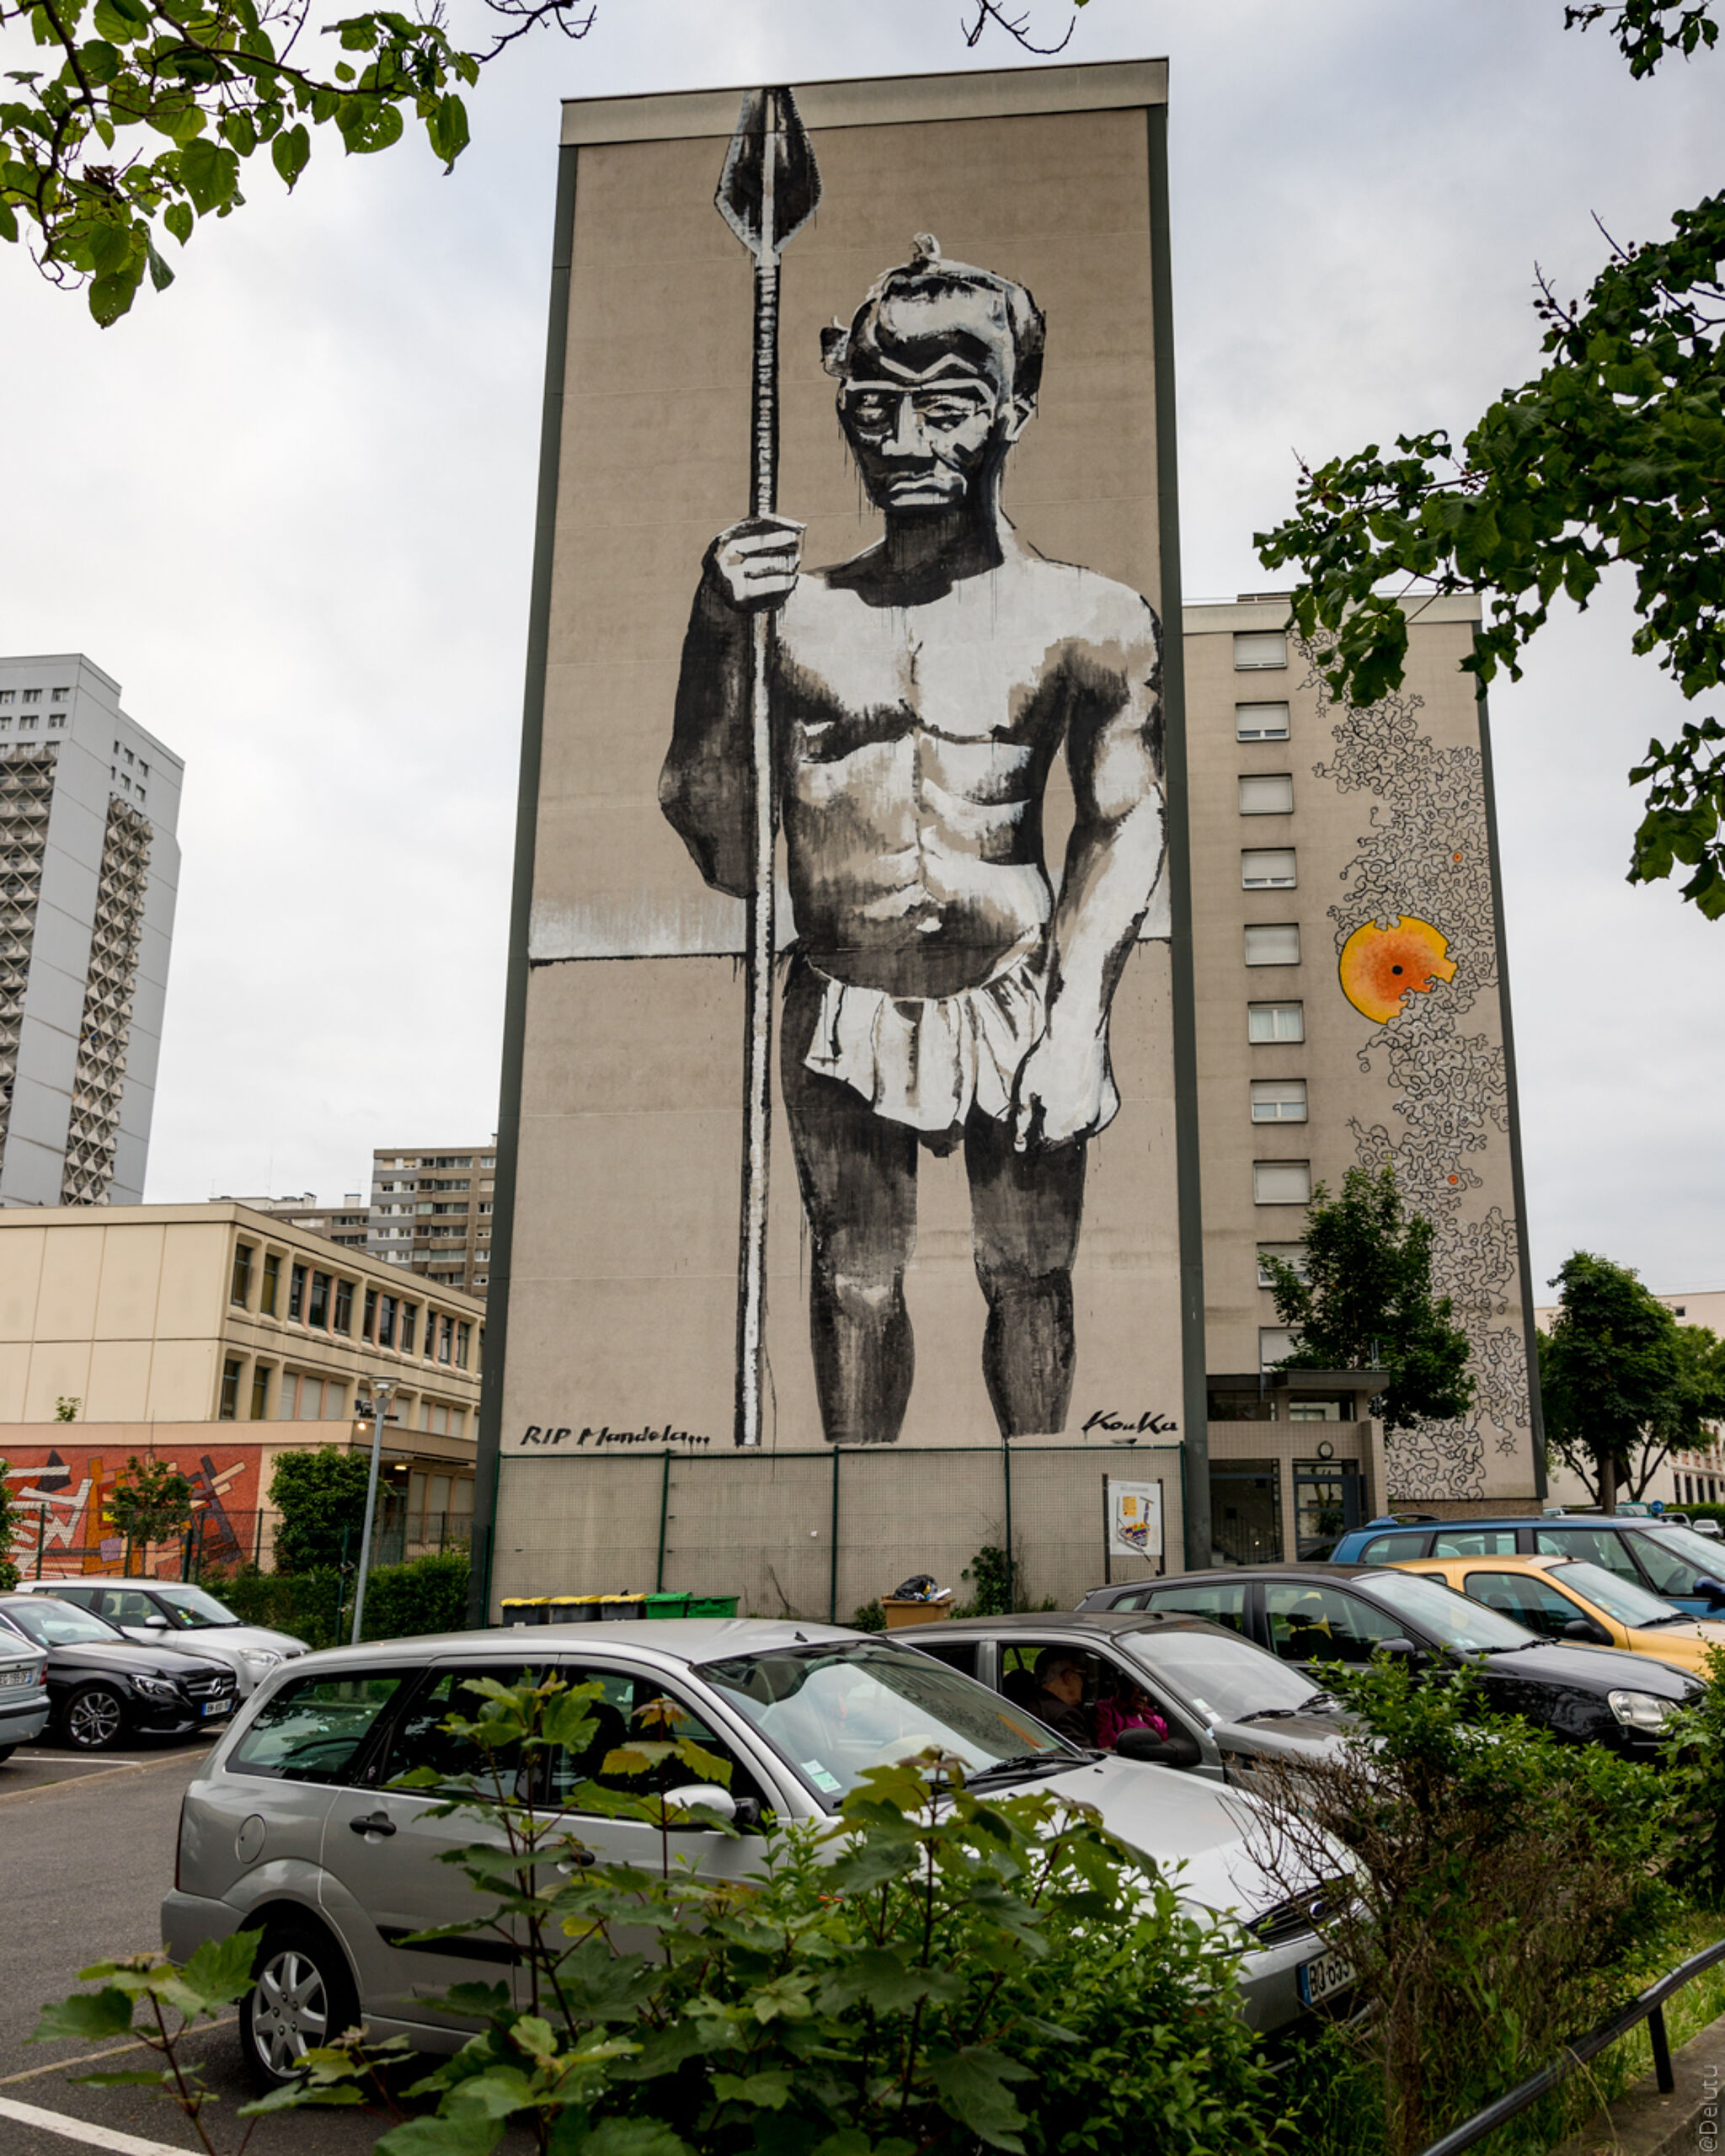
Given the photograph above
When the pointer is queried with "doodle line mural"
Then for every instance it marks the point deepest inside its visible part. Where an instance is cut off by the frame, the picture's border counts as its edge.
(1418, 894)
(947, 992)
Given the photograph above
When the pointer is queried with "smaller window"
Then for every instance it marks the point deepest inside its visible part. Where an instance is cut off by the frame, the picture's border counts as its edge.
(297, 1293)
(141, 796)
(1260, 722)
(1278, 1100)
(33, 695)
(129, 756)
(260, 1391)
(287, 1398)
(143, 768)
(27, 725)
(1281, 1182)
(1292, 1254)
(229, 1410)
(446, 1338)
(318, 1309)
(8, 695)
(1275, 1343)
(1266, 793)
(1273, 944)
(463, 1338)
(60, 694)
(240, 1287)
(56, 719)
(272, 1281)
(1275, 1022)
(1256, 648)
(370, 1316)
(343, 1306)
(1268, 869)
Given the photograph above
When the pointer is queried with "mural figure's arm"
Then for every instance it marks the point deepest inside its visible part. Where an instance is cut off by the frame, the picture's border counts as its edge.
(1114, 858)
(705, 788)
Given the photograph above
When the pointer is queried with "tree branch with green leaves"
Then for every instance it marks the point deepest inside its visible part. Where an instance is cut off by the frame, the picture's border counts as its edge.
(1612, 457)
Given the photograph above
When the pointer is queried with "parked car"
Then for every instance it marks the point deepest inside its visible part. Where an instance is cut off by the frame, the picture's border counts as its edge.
(1568, 1599)
(1228, 1706)
(1673, 1563)
(103, 1687)
(24, 1693)
(1319, 1615)
(155, 1612)
(291, 1825)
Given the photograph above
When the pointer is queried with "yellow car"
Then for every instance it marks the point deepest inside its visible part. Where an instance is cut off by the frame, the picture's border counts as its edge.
(1569, 1598)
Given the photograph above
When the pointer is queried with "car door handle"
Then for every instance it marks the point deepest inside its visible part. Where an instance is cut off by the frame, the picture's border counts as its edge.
(380, 1822)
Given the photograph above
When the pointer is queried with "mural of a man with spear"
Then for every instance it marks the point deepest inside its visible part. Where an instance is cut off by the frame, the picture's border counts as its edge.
(899, 714)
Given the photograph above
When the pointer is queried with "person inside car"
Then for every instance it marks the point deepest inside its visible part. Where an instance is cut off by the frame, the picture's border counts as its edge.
(1059, 1696)
(1129, 1706)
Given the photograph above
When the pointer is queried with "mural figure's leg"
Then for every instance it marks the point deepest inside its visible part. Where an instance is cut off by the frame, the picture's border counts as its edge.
(1026, 1209)
(858, 1174)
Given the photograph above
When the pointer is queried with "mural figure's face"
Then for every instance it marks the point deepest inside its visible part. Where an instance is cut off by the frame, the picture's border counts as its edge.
(927, 404)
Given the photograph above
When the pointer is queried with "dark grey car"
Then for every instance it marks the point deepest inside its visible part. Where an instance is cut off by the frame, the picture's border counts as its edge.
(1228, 1705)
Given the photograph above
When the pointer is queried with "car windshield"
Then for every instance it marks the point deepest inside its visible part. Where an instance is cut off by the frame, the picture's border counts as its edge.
(54, 1623)
(191, 1610)
(834, 1711)
(1704, 1555)
(1620, 1599)
(1224, 1679)
(1451, 1619)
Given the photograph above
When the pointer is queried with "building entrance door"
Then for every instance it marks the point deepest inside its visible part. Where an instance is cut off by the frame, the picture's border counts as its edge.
(1325, 1501)
(1246, 1512)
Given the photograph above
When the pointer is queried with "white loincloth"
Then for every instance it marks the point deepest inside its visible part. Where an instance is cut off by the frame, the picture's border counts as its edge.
(927, 1061)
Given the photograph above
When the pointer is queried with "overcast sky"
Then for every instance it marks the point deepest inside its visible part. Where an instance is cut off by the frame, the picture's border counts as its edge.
(289, 505)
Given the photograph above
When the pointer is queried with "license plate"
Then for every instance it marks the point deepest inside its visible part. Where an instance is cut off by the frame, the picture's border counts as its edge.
(9, 1678)
(218, 1707)
(1322, 1978)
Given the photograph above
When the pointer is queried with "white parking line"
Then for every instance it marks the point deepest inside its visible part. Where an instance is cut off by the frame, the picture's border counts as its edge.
(92, 2059)
(92, 2137)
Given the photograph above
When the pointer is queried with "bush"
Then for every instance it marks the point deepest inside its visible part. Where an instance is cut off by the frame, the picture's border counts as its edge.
(869, 1617)
(1694, 1774)
(307, 1604)
(1507, 1886)
(321, 1496)
(427, 1595)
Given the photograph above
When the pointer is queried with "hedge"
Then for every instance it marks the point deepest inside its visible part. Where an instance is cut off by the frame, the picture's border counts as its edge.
(402, 1601)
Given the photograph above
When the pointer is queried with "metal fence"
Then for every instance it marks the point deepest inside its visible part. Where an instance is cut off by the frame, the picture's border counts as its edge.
(816, 1534)
(222, 1540)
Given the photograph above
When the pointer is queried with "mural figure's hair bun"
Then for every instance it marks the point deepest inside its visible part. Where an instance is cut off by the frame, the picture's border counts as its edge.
(925, 249)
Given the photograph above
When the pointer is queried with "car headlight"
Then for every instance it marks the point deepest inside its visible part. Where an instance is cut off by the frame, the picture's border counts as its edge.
(157, 1688)
(260, 1657)
(1639, 1710)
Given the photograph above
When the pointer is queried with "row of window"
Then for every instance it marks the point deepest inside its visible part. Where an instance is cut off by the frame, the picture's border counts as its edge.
(32, 695)
(438, 1160)
(125, 783)
(123, 755)
(325, 1302)
(301, 1396)
(28, 723)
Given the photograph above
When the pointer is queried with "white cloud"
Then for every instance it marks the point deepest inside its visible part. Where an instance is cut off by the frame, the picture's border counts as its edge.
(290, 506)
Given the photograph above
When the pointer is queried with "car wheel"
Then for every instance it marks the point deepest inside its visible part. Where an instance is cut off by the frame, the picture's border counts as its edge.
(92, 1718)
(301, 1997)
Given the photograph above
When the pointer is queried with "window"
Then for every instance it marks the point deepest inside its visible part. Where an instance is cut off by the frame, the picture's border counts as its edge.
(240, 1287)
(1266, 793)
(386, 1321)
(33, 695)
(1260, 722)
(1275, 1344)
(260, 1391)
(1222, 1602)
(143, 768)
(1281, 1182)
(140, 793)
(1267, 868)
(409, 1322)
(1599, 1545)
(10, 695)
(287, 1399)
(1278, 1100)
(1275, 1022)
(1321, 1623)
(1292, 1254)
(312, 1399)
(229, 1410)
(27, 725)
(318, 1310)
(297, 1293)
(370, 1316)
(463, 1336)
(60, 694)
(1478, 1542)
(56, 719)
(1273, 944)
(1254, 649)
(1392, 1549)
(272, 1281)
(343, 1306)
(314, 1729)
(420, 1740)
(1531, 1602)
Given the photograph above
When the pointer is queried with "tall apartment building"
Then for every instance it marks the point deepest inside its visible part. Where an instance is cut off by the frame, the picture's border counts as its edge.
(1351, 1009)
(431, 1212)
(89, 868)
(345, 1224)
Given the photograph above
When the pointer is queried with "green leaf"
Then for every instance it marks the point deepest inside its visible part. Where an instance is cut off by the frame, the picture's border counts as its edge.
(210, 174)
(294, 2096)
(162, 2078)
(161, 276)
(972, 2086)
(290, 151)
(632, 2137)
(178, 218)
(89, 2016)
(453, 2133)
(770, 2091)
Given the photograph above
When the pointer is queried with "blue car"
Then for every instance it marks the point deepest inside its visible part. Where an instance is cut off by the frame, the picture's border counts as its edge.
(1673, 1563)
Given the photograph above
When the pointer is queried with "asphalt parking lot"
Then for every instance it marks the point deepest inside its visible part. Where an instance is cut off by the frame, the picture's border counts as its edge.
(86, 1852)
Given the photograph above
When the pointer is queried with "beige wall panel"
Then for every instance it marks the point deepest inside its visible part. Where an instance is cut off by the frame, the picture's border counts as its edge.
(72, 1271)
(59, 1370)
(21, 1256)
(14, 1379)
(130, 1285)
(194, 1283)
(183, 1374)
(120, 1382)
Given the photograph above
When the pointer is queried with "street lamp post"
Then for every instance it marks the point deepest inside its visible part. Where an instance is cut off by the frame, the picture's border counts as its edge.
(380, 1411)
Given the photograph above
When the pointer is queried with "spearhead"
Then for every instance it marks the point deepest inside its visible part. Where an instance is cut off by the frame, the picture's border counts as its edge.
(770, 186)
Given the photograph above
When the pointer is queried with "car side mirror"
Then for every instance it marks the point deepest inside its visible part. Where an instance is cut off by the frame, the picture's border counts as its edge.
(156, 1622)
(1588, 1633)
(1178, 1748)
(1713, 1589)
(1400, 1650)
(697, 1797)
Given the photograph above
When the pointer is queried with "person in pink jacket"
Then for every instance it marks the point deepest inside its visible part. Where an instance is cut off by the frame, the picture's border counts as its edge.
(1130, 1708)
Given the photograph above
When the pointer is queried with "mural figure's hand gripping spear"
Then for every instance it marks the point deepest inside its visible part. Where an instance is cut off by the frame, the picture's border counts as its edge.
(766, 194)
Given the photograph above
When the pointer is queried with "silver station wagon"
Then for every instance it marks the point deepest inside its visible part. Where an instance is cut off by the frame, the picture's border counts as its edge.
(290, 1825)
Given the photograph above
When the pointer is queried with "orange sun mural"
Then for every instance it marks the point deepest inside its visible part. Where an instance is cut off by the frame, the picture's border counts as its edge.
(1379, 965)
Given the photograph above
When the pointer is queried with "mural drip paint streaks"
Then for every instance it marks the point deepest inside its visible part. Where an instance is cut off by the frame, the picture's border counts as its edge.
(1423, 864)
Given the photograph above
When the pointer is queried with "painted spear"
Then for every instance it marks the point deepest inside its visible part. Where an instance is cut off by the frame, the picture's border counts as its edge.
(767, 193)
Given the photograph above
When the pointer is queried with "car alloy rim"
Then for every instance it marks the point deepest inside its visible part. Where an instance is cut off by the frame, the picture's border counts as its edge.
(289, 2010)
(94, 1718)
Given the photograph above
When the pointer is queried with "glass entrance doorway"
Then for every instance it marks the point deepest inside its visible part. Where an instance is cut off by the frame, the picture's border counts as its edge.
(1325, 1501)
(1245, 1512)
